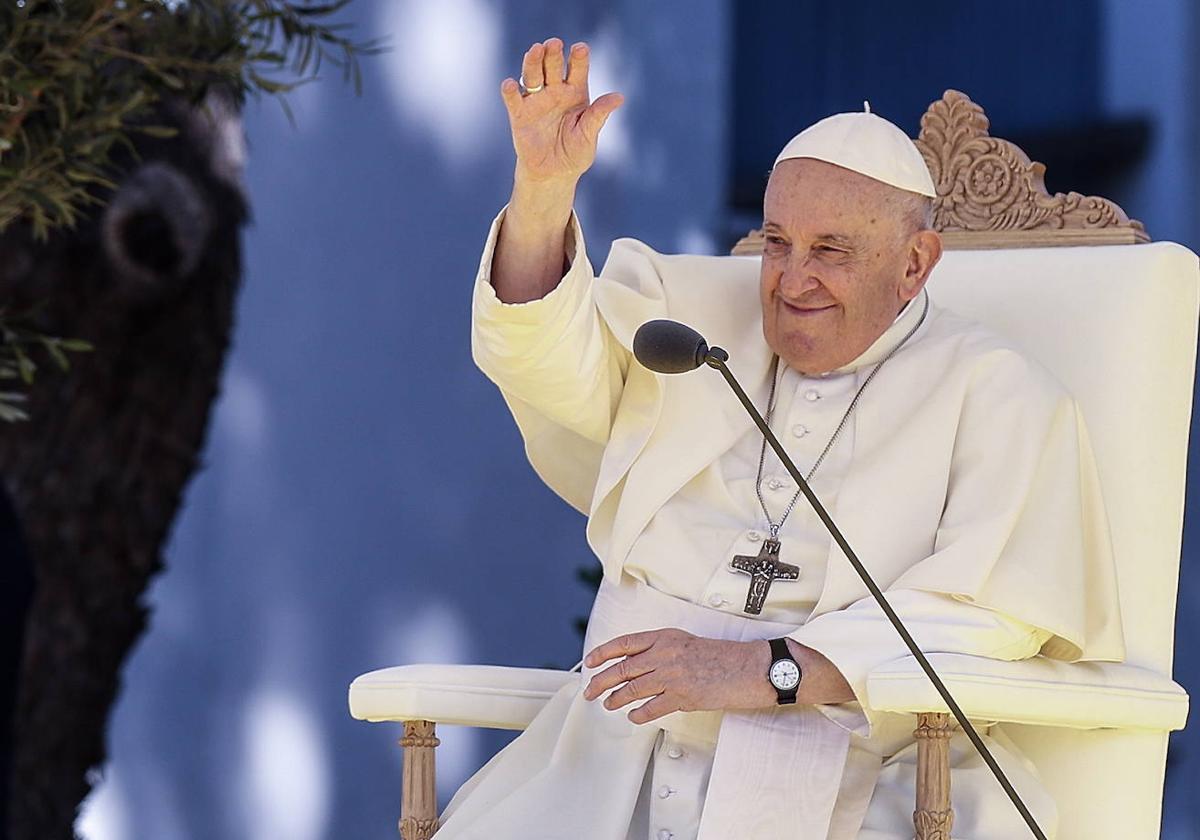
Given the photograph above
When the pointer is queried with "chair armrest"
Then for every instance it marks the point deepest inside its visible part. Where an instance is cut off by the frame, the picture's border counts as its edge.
(471, 695)
(1040, 691)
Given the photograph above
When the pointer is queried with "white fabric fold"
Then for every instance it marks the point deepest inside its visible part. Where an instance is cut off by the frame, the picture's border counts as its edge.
(860, 638)
(777, 773)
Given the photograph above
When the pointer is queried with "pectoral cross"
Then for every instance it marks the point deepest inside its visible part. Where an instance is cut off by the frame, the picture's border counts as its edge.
(764, 569)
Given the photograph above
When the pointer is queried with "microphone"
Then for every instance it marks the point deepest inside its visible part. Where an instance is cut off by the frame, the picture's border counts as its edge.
(668, 346)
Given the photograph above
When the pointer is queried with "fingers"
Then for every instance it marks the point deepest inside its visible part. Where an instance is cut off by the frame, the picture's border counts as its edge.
(543, 64)
(552, 63)
(659, 706)
(510, 92)
(627, 669)
(637, 688)
(577, 65)
(597, 114)
(628, 645)
(531, 67)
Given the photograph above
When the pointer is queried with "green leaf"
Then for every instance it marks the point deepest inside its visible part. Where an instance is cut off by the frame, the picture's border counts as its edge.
(90, 178)
(322, 8)
(56, 353)
(9, 413)
(164, 131)
(26, 367)
(269, 85)
(85, 72)
(169, 79)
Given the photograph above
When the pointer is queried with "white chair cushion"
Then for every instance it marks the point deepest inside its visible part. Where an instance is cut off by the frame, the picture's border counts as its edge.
(1040, 691)
(491, 696)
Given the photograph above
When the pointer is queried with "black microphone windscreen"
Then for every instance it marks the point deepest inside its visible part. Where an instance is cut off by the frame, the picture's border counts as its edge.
(669, 346)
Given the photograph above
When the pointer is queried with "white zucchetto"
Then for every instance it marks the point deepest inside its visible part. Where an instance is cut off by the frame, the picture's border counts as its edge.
(867, 144)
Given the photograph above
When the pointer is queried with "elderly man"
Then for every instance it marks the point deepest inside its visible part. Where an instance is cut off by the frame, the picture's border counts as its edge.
(710, 707)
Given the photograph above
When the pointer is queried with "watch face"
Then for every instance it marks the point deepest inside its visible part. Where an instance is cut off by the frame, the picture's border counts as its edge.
(785, 674)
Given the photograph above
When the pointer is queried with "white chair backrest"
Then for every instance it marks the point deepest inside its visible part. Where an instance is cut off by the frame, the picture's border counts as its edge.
(1117, 325)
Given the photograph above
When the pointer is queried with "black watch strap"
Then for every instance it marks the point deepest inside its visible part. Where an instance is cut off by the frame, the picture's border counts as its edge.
(779, 651)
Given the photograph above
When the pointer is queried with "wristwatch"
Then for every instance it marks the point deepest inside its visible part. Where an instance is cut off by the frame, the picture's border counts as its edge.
(784, 673)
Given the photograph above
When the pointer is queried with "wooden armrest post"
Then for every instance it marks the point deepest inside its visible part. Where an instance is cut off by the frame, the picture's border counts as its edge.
(418, 785)
(933, 816)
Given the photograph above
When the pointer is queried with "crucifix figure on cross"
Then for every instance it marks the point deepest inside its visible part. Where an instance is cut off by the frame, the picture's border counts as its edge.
(764, 569)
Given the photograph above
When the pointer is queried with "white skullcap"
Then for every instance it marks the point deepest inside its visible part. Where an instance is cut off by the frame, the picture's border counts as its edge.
(867, 144)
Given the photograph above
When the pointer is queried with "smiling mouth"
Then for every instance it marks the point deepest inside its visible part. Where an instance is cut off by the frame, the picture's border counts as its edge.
(806, 310)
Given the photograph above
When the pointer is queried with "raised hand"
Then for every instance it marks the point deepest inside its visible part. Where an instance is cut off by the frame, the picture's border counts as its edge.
(554, 130)
(554, 123)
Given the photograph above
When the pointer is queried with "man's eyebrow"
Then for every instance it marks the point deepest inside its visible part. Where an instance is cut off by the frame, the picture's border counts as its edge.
(837, 238)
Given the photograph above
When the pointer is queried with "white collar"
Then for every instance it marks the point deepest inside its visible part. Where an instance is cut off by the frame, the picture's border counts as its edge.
(908, 318)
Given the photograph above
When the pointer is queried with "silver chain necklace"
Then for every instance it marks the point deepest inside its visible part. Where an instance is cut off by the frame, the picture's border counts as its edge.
(762, 455)
(766, 567)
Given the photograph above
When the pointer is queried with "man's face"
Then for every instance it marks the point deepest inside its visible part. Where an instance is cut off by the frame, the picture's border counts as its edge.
(841, 258)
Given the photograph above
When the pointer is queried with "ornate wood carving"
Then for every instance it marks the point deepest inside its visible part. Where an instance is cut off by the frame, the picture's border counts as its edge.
(750, 245)
(931, 825)
(413, 829)
(991, 195)
(418, 786)
(933, 817)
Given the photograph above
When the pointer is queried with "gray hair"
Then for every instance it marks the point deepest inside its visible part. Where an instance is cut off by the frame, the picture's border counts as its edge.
(914, 210)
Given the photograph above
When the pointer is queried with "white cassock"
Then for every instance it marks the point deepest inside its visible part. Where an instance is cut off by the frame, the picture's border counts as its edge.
(964, 481)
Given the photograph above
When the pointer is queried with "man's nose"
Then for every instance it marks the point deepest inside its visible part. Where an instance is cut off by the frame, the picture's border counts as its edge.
(798, 279)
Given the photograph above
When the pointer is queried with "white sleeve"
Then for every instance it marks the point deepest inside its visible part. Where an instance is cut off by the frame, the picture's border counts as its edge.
(554, 354)
(860, 638)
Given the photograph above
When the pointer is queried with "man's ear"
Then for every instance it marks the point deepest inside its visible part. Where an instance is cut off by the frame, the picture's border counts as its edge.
(924, 251)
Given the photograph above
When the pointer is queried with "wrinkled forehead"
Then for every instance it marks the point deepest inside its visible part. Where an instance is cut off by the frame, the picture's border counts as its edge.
(803, 192)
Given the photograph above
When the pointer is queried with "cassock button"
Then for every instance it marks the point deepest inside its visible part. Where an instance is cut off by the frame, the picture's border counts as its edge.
(812, 395)
(754, 536)
(664, 792)
(799, 430)
(774, 483)
(665, 835)
(674, 752)
(716, 601)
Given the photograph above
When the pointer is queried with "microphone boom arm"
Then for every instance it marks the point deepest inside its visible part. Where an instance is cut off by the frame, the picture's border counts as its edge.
(716, 358)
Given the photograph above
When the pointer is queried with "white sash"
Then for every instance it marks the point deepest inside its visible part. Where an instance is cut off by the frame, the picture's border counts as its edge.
(777, 771)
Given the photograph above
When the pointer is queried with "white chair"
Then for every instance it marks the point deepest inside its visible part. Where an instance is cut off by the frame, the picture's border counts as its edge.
(1116, 323)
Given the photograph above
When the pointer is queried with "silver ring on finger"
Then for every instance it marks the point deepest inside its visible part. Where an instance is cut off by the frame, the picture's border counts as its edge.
(525, 89)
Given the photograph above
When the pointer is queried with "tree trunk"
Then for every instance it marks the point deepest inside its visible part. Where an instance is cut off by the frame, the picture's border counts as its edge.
(16, 590)
(98, 473)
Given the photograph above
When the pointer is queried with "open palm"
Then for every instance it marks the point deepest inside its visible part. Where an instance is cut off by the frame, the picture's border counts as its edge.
(554, 124)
